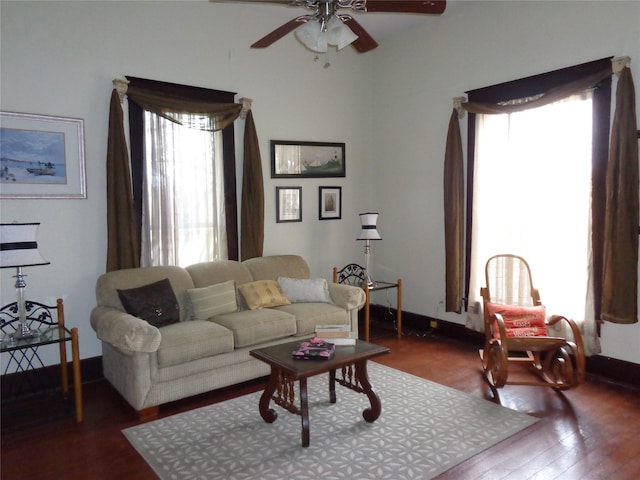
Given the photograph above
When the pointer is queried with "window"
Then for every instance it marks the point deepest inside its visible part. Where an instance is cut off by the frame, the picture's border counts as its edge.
(183, 216)
(555, 156)
(532, 197)
(184, 181)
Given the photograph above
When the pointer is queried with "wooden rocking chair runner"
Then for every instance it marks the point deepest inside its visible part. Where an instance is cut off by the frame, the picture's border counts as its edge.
(516, 330)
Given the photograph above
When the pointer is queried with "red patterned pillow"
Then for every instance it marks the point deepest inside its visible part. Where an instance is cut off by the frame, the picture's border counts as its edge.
(519, 321)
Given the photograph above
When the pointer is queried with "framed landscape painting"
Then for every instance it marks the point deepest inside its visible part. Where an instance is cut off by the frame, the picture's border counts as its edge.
(292, 159)
(41, 156)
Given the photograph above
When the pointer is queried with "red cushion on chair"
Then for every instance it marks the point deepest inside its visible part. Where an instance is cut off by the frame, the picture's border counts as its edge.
(519, 321)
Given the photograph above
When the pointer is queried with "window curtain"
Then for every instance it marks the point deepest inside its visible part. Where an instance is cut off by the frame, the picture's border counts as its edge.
(177, 222)
(618, 268)
(121, 217)
(620, 279)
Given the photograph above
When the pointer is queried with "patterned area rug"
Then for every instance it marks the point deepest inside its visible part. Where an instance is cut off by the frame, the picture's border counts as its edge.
(425, 429)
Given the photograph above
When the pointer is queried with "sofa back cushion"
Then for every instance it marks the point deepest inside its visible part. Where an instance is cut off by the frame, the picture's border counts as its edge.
(274, 266)
(210, 273)
(109, 283)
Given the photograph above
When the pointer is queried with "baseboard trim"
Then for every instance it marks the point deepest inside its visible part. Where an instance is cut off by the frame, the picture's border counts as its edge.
(610, 369)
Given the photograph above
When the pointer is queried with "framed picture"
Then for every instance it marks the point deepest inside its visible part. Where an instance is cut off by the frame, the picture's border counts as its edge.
(307, 159)
(330, 203)
(288, 204)
(41, 156)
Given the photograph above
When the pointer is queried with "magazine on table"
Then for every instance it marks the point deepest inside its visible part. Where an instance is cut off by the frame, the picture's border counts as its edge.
(314, 349)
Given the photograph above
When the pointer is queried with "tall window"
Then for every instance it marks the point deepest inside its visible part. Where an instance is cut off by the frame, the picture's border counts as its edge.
(535, 188)
(184, 181)
(183, 216)
(532, 197)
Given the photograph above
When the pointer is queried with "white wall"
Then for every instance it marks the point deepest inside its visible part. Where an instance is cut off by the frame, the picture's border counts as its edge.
(58, 58)
(417, 74)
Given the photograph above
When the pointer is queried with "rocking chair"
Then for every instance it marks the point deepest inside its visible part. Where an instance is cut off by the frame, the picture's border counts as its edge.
(516, 331)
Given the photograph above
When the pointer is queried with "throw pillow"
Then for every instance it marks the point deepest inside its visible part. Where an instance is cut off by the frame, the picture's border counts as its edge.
(263, 294)
(520, 321)
(306, 290)
(156, 303)
(213, 300)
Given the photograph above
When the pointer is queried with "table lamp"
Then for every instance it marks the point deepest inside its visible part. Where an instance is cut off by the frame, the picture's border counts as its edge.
(367, 234)
(19, 248)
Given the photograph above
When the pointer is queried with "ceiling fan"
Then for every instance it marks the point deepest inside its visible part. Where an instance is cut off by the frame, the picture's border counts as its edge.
(326, 25)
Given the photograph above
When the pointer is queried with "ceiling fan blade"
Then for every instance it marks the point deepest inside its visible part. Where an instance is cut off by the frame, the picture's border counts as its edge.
(434, 7)
(280, 2)
(364, 42)
(280, 32)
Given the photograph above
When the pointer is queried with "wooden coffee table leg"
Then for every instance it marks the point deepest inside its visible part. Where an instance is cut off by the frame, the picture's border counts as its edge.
(369, 414)
(304, 412)
(269, 415)
(332, 386)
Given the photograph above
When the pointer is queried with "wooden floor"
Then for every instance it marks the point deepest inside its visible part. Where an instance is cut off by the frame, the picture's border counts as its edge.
(592, 432)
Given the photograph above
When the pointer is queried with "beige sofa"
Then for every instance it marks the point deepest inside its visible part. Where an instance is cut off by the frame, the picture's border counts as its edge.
(150, 366)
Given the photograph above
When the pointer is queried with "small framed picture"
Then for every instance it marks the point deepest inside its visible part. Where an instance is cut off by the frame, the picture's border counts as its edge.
(288, 204)
(330, 203)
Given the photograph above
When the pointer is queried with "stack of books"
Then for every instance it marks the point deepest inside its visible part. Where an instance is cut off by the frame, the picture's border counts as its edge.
(336, 334)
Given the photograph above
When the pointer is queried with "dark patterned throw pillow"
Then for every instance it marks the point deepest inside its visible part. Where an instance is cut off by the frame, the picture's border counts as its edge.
(156, 303)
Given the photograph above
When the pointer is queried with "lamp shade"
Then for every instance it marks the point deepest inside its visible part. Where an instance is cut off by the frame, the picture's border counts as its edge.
(339, 34)
(312, 36)
(369, 232)
(19, 246)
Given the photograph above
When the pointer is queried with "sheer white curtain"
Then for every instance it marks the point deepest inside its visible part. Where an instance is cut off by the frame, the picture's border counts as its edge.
(183, 219)
(532, 190)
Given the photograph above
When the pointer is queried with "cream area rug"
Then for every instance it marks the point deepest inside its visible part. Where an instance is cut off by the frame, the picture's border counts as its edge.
(424, 429)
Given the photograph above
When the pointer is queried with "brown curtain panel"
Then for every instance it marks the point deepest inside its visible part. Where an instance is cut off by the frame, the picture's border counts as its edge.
(221, 115)
(123, 246)
(252, 212)
(454, 216)
(620, 279)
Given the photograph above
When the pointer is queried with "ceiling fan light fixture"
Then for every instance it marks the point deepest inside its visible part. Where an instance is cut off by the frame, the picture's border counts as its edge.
(339, 34)
(311, 36)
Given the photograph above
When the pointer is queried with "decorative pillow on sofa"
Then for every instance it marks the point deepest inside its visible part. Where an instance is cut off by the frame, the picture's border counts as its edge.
(307, 290)
(156, 303)
(520, 321)
(263, 294)
(213, 300)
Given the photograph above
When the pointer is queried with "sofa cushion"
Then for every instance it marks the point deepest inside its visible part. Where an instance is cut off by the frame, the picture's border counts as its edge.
(309, 315)
(186, 341)
(156, 303)
(207, 302)
(305, 290)
(251, 327)
(263, 294)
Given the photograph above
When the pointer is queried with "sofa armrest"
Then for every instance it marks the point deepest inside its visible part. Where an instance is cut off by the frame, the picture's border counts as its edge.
(125, 332)
(348, 297)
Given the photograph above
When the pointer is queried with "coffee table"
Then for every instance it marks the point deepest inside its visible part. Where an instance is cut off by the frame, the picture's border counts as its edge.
(285, 371)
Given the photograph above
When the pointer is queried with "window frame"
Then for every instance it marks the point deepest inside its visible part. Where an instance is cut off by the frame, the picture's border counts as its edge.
(531, 86)
(136, 130)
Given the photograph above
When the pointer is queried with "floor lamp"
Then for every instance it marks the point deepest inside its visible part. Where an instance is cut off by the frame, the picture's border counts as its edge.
(18, 249)
(368, 233)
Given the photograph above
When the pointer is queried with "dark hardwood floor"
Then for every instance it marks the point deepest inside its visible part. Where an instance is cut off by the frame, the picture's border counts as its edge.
(587, 433)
